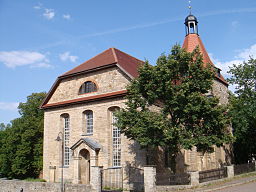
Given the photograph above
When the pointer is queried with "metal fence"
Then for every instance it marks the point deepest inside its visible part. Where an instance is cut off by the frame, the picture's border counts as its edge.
(112, 179)
(244, 168)
(212, 174)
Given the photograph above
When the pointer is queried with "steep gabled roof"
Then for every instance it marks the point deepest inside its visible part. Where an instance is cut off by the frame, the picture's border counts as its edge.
(110, 56)
(191, 42)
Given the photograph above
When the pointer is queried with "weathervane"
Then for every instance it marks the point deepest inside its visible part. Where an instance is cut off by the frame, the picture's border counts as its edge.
(189, 6)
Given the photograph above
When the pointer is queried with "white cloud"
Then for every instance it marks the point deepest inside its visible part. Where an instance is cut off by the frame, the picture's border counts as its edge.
(38, 6)
(242, 55)
(67, 16)
(66, 56)
(14, 59)
(246, 53)
(9, 106)
(49, 14)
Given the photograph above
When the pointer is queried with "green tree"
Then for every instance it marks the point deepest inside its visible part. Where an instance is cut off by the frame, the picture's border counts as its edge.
(2, 126)
(167, 105)
(21, 149)
(243, 110)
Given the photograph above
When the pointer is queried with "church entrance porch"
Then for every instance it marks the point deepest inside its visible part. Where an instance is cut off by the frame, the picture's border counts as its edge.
(85, 155)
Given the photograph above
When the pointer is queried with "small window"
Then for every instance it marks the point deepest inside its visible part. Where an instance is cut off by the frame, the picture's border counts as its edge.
(89, 122)
(217, 70)
(87, 87)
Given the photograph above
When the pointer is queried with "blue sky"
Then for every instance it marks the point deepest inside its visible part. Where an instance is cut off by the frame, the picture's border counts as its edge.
(40, 40)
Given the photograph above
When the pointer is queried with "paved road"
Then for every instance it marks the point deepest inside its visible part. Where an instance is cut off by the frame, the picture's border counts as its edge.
(248, 187)
(240, 184)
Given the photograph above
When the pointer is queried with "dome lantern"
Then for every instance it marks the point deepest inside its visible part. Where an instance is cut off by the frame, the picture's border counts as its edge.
(191, 25)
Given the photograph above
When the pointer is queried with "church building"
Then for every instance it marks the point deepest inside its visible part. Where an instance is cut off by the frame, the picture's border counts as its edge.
(78, 118)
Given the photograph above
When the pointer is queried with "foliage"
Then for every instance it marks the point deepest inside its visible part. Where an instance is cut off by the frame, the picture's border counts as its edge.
(2, 126)
(22, 141)
(243, 110)
(35, 180)
(167, 105)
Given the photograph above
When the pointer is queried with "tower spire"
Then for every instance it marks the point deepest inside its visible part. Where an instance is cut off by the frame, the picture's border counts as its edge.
(190, 7)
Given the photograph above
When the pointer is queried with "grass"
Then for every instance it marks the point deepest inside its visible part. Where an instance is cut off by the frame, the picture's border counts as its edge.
(34, 180)
(112, 189)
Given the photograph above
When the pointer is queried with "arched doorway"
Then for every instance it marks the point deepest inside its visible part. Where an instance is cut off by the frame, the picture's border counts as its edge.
(84, 166)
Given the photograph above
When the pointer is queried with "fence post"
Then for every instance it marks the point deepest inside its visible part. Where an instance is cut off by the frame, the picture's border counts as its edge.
(230, 171)
(194, 176)
(149, 178)
(96, 178)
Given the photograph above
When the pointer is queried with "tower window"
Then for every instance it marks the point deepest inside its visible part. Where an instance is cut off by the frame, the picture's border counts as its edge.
(87, 87)
(217, 71)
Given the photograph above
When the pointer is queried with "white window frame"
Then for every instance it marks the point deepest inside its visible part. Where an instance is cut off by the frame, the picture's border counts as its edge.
(66, 138)
(89, 122)
(116, 143)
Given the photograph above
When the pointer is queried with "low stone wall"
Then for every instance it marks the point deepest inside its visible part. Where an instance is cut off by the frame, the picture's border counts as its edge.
(23, 186)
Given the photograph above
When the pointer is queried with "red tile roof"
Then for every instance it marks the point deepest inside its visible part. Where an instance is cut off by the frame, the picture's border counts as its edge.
(110, 56)
(190, 43)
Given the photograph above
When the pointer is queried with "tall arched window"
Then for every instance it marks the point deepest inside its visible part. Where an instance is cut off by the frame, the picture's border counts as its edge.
(89, 121)
(116, 140)
(66, 136)
(87, 87)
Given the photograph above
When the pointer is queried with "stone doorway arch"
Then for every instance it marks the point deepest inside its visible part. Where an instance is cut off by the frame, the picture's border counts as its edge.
(84, 166)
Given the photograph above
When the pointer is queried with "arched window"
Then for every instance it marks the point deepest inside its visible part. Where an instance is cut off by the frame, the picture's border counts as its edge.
(89, 121)
(87, 87)
(66, 137)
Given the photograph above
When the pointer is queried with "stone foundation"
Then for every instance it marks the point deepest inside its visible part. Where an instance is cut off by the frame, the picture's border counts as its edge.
(23, 186)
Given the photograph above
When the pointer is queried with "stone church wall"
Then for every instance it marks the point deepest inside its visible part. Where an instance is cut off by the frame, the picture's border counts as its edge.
(110, 80)
(131, 153)
(107, 80)
(221, 91)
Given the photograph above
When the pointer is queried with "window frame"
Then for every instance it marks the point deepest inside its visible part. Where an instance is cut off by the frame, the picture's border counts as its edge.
(116, 142)
(88, 87)
(66, 140)
(89, 122)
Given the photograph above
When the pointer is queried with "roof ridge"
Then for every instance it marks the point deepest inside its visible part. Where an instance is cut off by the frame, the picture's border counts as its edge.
(127, 54)
(85, 62)
(114, 54)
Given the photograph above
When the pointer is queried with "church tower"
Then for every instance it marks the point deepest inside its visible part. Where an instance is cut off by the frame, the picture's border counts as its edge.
(192, 40)
(219, 89)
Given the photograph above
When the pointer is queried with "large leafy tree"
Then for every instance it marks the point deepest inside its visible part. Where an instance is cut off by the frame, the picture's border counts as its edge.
(168, 106)
(22, 144)
(243, 110)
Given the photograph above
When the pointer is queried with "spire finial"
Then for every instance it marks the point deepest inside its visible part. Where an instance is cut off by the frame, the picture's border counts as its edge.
(190, 7)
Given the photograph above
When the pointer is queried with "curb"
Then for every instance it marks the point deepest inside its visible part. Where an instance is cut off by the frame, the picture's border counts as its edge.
(227, 186)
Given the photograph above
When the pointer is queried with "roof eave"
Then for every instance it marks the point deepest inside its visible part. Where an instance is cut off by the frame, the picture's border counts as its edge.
(86, 99)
